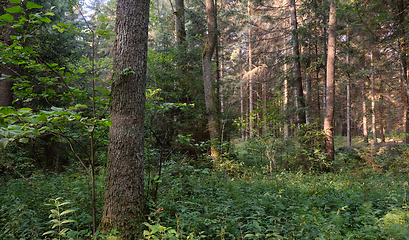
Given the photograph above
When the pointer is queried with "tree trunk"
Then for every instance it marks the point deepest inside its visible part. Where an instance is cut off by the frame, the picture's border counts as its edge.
(299, 94)
(329, 110)
(348, 61)
(6, 94)
(251, 83)
(373, 113)
(285, 103)
(209, 91)
(402, 7)
(364, 118)
(180, 21)
(124, 190)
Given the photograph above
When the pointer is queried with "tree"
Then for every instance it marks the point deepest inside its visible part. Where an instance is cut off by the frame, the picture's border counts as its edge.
(209, 91)
(299, 98)
(329, 106)
(124, 190)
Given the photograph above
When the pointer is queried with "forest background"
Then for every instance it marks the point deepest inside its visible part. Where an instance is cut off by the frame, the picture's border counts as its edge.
(296, 129)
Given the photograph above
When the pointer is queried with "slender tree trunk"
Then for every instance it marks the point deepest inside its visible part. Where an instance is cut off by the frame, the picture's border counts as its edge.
(124, 188)
(209, 90)
(299, 94)
(329, 110)
(348, 61)
(364, 118)
(251, 83)
(402, 7)
(373, 112)
(285, 104)
(242, 95)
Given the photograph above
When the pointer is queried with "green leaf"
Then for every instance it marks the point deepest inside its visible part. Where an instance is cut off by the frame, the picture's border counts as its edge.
(15, 9)
(46, 19)
(4, 142)
(67, 211)
(50, 232)
(7, 17)
(67, 221)
(49, 14)
(31, 5)
(24, 140)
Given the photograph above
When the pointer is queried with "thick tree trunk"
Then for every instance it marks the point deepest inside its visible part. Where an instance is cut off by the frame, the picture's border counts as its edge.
(299, 94)
(329, 110)
(180, 21)
(6, 94)
(209, 90)
(124, 189)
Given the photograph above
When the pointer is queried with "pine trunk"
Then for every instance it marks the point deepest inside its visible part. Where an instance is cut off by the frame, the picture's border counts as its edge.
(329, 110)
(124, 188)
(299, 94)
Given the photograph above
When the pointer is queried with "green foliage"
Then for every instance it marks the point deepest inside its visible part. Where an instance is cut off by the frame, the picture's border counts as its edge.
(211, 205)
(58, 219)
(24, 216)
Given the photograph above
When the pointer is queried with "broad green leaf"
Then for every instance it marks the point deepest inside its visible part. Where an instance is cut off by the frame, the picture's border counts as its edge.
(67, 211)
(67, 221)
(15, 9)
(4, 142)
(49, 14)
(25, 110)
(31, 5)
(15, 1)
(46, 19)
(7, 17)
(50, 232)
(24, 140)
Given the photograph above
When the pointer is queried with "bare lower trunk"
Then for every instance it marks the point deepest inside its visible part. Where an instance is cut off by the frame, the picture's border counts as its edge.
(329, 110)
(209, 90)
(299, 94)
(6, 94)
(364, 119)
(349, 142)
(124, 190)
(180, 21)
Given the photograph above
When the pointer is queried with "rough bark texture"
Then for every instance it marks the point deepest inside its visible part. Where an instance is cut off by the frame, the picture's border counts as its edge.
(209, 91)
(329, 109)
(124, 194)
(299, 98)
(6, 94)
(180, 21)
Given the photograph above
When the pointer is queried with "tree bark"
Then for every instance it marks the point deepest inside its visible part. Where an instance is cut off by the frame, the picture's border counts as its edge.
(251, 83)
(299, 94)
(209, 90)
(402, 7)
(124, 190)
(180, 21)
(373, 113)
(348, 61)
(364, 118)
(329, 110)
